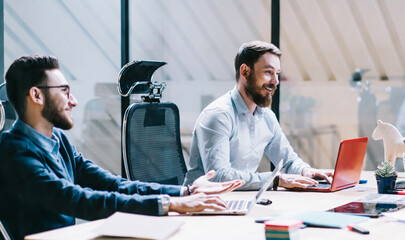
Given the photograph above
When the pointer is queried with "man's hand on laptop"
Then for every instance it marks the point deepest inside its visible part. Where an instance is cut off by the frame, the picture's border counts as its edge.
(203, 185)
(295, 181)
(204, 195)
(317, 174)
(196, 203)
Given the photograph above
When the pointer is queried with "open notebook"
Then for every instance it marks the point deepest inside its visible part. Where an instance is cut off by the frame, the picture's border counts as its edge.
(243, 206)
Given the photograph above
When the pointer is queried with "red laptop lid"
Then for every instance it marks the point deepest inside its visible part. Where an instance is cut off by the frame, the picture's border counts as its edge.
(349, 163)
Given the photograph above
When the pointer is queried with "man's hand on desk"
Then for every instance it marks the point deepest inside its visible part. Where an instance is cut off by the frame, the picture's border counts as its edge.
(295, 181)
(317, 174)
(308, 178)
(203, 185)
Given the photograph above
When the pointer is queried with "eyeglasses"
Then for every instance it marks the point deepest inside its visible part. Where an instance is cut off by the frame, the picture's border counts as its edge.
(65, 89)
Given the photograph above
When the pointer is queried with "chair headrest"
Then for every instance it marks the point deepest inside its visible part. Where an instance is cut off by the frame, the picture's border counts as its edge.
(135, 76)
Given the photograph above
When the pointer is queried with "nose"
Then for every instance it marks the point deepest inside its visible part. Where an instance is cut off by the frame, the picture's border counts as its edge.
(72, 100)
(274, 79)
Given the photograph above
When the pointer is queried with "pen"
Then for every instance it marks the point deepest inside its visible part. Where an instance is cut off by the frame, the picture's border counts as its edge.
(358, 229)
(396, 192)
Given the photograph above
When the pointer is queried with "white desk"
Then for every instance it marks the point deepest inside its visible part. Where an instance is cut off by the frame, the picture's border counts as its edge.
(244, 227)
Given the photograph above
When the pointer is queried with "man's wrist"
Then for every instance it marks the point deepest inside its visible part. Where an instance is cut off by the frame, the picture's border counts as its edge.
(305, 170)
(164, 201)
(276, 182)
(188, 190)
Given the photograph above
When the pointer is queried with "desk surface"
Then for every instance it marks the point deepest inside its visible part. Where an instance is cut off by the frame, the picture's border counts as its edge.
(244, 227)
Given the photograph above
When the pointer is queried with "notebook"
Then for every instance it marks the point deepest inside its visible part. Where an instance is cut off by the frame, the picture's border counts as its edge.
(243, 206)
(348, 166)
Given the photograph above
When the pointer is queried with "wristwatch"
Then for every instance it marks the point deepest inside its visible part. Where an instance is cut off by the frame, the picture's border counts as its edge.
(165, 200)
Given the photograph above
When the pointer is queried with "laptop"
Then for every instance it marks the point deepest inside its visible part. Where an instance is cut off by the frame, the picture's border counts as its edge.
(243, 206)
(348, 167)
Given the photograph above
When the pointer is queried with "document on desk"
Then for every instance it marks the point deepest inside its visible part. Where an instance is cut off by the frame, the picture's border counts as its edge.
(383, 198)
(399, 215)
(373, 205)
(126, 225)
(320, 219)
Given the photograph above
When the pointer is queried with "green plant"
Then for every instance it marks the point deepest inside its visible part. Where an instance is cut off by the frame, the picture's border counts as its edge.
(385, 170)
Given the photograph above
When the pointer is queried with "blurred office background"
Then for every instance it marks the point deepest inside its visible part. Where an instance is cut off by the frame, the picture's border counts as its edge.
(343, 63)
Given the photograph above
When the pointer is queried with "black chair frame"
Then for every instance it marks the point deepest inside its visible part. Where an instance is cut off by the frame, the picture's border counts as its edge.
(158, 159)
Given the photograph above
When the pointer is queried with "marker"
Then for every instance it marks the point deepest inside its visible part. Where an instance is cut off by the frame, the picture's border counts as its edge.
(396, 192)
(362, 181)
(358, 229)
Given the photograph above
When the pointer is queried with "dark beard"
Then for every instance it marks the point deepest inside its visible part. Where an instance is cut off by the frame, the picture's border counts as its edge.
(52, 114)
(253, 90)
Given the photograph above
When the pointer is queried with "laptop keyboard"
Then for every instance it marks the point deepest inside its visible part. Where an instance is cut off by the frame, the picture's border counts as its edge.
(236, 204)
(321, 185)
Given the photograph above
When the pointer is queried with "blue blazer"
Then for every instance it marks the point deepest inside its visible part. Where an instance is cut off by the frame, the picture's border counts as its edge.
(37, 194)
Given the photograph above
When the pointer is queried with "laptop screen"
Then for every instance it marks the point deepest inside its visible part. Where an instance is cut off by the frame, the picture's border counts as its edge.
(270, 179)
(349, 162)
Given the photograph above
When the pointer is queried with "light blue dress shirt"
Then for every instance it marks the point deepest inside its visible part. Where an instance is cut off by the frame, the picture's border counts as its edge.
(230, 140)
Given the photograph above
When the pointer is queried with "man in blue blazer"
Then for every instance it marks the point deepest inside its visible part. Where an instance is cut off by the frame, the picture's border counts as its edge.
(45, 183)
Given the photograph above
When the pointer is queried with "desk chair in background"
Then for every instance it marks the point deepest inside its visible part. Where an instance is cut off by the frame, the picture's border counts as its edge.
(3, 97)
(2, 115)
(151, 144)
(8, 114)
(3, 233)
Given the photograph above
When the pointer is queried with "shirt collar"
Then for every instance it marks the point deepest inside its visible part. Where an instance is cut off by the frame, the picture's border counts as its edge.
(49, 145)
(240, 104)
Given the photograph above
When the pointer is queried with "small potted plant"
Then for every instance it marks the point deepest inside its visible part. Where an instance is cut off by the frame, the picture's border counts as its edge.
(386, 177)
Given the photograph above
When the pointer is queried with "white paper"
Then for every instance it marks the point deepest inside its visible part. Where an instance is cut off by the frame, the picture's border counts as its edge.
(399, 215)
(383, 198)
(138, 226)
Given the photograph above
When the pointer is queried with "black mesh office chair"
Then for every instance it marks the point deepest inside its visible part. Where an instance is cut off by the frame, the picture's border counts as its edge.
(3, 233)
(5, 122)
(151, 142)
(7, 112)
(2, 115)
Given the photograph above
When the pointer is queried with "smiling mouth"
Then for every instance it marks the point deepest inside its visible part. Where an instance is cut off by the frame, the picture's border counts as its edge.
(270, 87)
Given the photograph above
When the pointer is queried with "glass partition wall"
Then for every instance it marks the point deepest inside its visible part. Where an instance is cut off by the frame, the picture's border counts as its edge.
(199, 41)
(343, 63)
(85, 37)
(343, 68)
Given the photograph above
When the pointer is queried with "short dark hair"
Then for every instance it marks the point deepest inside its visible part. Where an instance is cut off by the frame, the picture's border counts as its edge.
(249, 53)
(25, 73)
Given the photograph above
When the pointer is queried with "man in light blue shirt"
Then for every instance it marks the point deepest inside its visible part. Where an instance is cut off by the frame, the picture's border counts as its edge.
(233, 132)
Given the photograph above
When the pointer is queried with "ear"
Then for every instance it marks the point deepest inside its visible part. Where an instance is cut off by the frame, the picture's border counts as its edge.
(36, 96)
(244, 70)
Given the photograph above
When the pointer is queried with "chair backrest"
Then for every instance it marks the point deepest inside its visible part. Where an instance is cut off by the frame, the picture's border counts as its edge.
(2, 116)
(151, 143)
(3, 233)
(8, 114)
